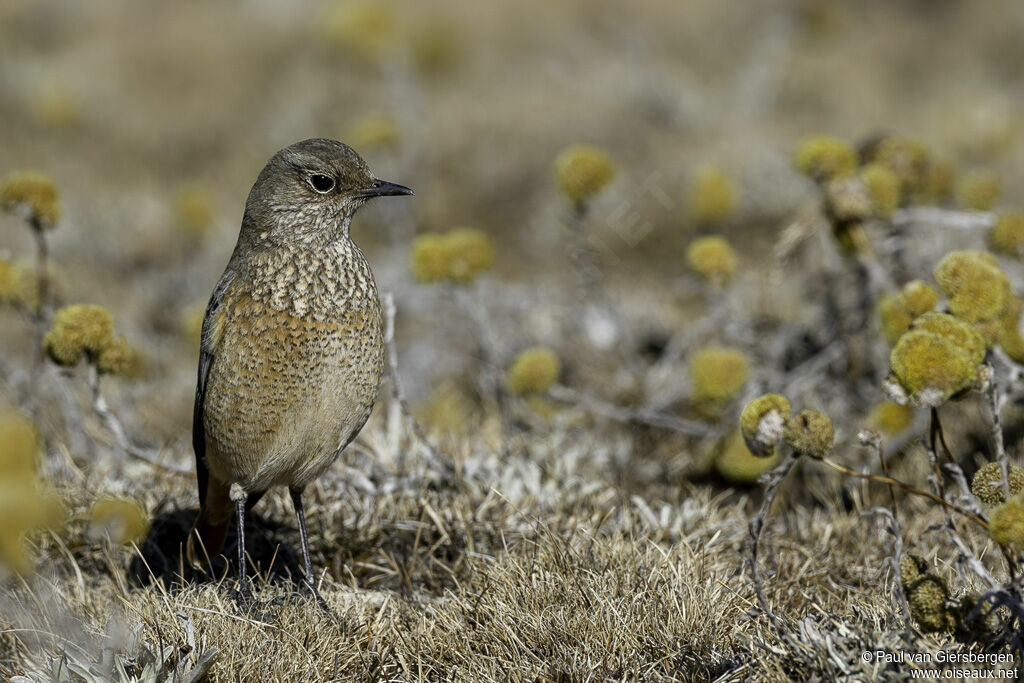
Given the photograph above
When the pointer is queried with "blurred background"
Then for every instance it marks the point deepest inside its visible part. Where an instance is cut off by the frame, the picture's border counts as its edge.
(154, 118)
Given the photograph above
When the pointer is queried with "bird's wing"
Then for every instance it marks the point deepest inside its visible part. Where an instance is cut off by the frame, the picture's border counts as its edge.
(207, 352)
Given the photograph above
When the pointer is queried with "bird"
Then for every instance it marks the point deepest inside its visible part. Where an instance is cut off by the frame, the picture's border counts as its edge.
(292, 350)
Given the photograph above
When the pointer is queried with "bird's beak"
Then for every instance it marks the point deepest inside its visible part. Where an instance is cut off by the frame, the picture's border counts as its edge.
(382, 188)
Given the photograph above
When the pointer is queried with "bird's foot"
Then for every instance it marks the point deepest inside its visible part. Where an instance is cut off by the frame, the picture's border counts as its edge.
(248, 606)
(243, 594)
(314, 593)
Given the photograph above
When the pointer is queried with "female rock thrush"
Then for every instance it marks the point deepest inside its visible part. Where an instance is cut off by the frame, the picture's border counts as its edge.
(292, 349)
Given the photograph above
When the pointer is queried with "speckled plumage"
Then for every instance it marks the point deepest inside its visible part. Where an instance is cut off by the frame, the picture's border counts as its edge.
(292, 349)
(301, 356)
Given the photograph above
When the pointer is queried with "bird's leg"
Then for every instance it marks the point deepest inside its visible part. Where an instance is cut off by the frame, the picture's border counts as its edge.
(244, 594)
(307, 564)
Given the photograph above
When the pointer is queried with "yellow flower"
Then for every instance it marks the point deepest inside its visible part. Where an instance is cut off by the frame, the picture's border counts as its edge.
(19, 285)
(823, 158)
(712, 196)
(448, 409)
(1006, 524)
(118, 357)
(19, 448)
(1007, 235)
(429, 258)
(976, 287)
(927, 597)
(534, 371)
(362, 28)
(906, 158)
(810, 432)
(898, 311)
(912, 567)
(937, 359)
(979, 190)
(123, 521)
(718, 374)
(435, 47)
(937, 183)
(372, 131)
(193, 207)
(963, 336)
(891, 418)
(987, 483)
(23, 508)
(470, 252)
(10, 284)
(1010, 338)
(713, 259)
(763, 423)
(884, 188)
(736, 464)
(460, 255)
(78, 329)
(33, 196)
(582, 171)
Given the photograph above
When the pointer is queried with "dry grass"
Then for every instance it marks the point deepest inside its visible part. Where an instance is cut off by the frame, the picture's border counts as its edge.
(468, 584)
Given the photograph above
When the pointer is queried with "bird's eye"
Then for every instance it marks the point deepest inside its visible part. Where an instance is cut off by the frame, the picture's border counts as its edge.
(321, 183)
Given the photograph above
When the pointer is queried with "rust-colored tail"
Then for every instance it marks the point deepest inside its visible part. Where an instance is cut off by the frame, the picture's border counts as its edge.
(206, 539)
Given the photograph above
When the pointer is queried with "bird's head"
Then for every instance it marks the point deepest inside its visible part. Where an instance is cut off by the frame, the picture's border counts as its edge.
(309, 191)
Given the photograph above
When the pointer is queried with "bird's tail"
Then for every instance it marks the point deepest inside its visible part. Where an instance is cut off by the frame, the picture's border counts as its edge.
(206, 539)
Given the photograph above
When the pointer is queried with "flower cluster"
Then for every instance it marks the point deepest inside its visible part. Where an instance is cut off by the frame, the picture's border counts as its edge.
(582, 171)
(1006, 524)
(927, 596)
(987, 483)
(977, 289)
(763, 423)
(718, 375)
(897, 311)
(24, 504)
(712, 196)
(86, 330)
(767, 422)
(121, 521)
(534, 371)
(979, 190)
(17, 286)
(713, 259)
(1007, 234)
(33, 196)
(366, 30)
(824, 158)
(737, 464)
(372, 131)
(459, 255)
(935, 360)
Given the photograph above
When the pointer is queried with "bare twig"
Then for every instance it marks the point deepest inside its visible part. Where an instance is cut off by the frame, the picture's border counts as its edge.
(908, 488)
(994, 399)
(772, 480)
(960, 220)
(114, 426)
(966, 554)
(438, 460)
(893, 527)
(874, 441)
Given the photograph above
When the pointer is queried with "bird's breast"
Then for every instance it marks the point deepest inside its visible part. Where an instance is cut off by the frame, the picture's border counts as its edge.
(297, 364)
